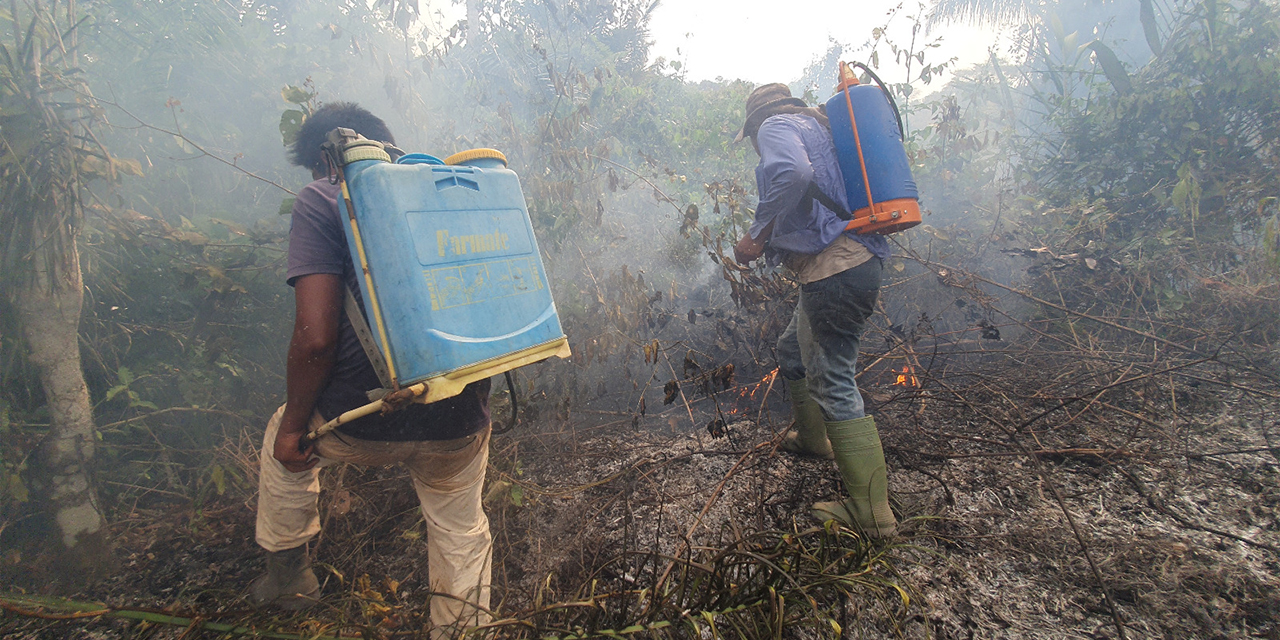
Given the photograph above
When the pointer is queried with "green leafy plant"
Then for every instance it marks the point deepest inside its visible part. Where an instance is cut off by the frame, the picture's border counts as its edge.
(125, 379)
(304, 98)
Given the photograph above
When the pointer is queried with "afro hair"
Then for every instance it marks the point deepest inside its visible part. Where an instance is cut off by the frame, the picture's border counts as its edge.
(315, 130)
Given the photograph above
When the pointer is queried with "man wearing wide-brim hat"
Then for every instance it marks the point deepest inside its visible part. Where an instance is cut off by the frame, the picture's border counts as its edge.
(839, 273)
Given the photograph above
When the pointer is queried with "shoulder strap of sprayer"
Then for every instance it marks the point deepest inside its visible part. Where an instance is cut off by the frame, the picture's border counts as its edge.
(332, 153)
(814, 193)
(358, 322)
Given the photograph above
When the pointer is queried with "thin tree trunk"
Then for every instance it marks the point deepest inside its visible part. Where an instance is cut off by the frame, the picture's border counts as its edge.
(48, 310)
(473, 23)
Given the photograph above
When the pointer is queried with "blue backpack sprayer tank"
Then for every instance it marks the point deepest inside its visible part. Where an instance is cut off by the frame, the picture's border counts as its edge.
(867, 131)
(452, 284)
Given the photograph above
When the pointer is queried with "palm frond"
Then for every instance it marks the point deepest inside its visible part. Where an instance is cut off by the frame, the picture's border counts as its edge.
(43, 135)
(981, 12)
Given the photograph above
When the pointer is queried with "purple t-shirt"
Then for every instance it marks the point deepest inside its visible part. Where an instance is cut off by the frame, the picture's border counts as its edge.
(318, 244)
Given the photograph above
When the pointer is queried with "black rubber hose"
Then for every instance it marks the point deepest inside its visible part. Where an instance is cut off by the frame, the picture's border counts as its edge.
(515, 405)
(902, 132)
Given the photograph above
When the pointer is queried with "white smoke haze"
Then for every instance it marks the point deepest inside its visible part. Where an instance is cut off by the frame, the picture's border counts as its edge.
(1073, 361)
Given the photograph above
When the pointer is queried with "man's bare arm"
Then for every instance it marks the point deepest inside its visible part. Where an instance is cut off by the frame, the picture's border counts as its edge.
(312, 351)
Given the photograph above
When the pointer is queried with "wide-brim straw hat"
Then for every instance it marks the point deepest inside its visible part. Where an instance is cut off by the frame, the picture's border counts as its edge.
(761, 103)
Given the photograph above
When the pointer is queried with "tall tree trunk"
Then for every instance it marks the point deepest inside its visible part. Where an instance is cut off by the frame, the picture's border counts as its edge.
(473, 23)
(48, 310)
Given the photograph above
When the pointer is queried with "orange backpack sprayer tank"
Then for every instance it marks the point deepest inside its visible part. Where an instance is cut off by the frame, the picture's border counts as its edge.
(867, 132)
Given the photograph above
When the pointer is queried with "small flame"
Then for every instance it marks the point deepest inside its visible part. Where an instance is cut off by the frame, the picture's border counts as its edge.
(749, 391)
(907, 378)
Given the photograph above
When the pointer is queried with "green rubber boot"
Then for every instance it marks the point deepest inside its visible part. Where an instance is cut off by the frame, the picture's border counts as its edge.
(289, 582)
(860, 459)
(808, 434)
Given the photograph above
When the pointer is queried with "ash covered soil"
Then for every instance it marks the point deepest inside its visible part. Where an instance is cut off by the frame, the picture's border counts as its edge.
(1177, 507)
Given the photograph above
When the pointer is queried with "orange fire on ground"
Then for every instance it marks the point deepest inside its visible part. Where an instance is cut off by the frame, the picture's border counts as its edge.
(907, 378)
(749, 391)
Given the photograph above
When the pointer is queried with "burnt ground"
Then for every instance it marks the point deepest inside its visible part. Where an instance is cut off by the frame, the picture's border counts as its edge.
(1175, 493)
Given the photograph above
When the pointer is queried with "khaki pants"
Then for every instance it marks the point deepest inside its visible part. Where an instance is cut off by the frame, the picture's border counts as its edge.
(448, 476)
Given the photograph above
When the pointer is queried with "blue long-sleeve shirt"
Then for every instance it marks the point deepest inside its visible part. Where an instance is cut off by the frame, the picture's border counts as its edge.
(794, 150)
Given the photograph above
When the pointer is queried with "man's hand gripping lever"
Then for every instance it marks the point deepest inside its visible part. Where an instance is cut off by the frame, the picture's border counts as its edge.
(294, 449)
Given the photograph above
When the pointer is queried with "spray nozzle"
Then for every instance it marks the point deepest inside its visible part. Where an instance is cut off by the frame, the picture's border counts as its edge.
(847, 77)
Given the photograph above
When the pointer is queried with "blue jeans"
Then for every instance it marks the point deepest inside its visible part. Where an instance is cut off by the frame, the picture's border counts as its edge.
(821, 343)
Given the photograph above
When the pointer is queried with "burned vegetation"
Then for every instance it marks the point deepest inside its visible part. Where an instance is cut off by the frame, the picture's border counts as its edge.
(1071, 474)
(1073, 362)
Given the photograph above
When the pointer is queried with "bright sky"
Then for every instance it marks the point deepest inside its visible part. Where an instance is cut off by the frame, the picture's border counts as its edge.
(773, 41)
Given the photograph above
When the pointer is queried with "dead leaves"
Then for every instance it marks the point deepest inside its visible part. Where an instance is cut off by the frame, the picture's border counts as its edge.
(670, 391)
(374, 604)
(717, 428)
(690, 367)
(651, 352)
(722, 377)
(690, 220)
(708, 382)
(989, 330)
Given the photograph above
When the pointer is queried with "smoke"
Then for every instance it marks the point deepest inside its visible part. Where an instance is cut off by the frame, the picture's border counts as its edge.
(633, 184)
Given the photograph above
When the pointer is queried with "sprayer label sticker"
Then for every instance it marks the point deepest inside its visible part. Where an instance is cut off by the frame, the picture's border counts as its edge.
(448, 245)
(449, 237)
(481, 282)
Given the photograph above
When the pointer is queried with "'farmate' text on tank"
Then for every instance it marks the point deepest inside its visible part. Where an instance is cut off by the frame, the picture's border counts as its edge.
(473, 243)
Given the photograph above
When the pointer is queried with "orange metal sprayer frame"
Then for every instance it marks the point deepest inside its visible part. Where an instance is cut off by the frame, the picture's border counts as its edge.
(846, 79)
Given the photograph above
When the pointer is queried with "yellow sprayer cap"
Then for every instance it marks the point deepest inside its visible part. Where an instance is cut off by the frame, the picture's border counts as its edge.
(364, 150)
(463, 157)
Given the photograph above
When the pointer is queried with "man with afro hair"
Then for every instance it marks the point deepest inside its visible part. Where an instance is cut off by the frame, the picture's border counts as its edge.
(445, 445)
